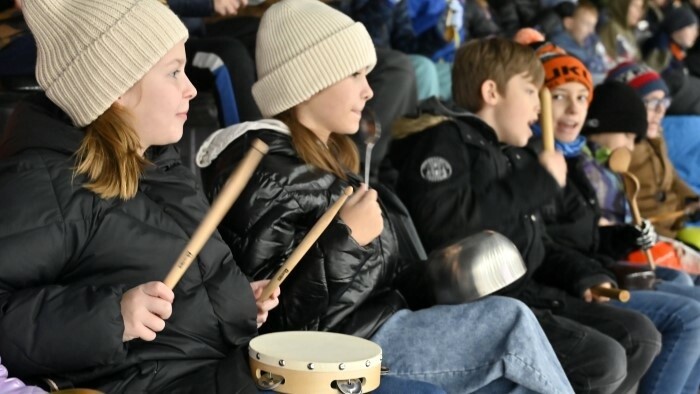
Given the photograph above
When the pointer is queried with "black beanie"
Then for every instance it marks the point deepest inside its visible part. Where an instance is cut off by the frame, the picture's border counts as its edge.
(678, 18)
(616, 108)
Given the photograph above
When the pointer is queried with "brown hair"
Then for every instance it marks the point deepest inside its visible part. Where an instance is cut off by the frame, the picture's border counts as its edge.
(586, 5)
(337, 157)
(110, 157)
(496, 59)
(484, 4)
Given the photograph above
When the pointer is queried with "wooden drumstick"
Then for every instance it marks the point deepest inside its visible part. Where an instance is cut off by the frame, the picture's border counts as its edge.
(669, 216)
(228, 195)
(547, 119)
(637, 215)
(305, 244)
(619, 162)
(615, 294)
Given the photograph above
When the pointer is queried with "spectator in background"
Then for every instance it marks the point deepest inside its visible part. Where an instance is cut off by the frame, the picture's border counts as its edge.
(515, 14)
(666, 50)
(692, 61)
(479, 20)
(618, 33)
(208, 52)
(390, 26)
(580, 39)
(655, 13)
(667, 53)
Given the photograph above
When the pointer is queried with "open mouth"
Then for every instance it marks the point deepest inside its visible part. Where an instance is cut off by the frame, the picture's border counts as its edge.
(568, 126)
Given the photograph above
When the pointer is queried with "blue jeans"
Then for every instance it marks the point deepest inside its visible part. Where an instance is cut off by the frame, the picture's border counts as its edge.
(493, 345)
(396, 385)
(677, 368)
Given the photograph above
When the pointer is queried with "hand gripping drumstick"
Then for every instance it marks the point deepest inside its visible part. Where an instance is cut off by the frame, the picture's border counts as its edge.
(617, 294)
(546, 119)
(547, 122)
(228, 195)
(305, 244)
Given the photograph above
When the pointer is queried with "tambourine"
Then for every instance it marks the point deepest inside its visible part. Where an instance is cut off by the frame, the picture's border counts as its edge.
(314, 362)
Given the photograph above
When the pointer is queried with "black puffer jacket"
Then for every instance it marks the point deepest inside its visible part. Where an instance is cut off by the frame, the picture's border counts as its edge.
(68, 257)
(338, 285)
(457, 179)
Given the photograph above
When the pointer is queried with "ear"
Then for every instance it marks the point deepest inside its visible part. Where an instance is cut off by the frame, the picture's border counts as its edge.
(568, 22)
(489, 92)
(120, 102)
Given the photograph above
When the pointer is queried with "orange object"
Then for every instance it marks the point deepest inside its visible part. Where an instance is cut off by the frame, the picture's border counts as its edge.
(664, 255)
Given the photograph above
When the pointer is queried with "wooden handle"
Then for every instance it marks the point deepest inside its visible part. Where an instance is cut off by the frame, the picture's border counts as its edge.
(546, 120)
(631, 184)
(615, 294)
(228, 195)
(305, 244)
(668, 216)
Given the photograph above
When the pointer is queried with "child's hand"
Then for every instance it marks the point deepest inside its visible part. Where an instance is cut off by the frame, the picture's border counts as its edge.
(145, 309)
(228, 7)
(556, 165)
(363, 215)
(588, 295)
(264, 306)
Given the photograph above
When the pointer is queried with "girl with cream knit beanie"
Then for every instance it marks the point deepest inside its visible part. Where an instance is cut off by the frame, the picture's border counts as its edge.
(96, 207)
(366, 270)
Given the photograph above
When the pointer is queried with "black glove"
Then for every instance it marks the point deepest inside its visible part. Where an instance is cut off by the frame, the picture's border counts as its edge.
(619, 240)
(647, 236)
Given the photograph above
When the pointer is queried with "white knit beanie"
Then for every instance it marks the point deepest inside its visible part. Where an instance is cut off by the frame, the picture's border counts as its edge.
(303, 47)
(90, 52)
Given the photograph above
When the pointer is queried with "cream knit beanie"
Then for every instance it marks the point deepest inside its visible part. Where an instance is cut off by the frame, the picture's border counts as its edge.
(90, 52)
(303, 47)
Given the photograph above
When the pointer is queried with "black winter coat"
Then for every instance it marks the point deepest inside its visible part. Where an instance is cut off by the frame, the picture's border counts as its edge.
(69, 256)
(572, 219)
(338, 286)
(457, 179)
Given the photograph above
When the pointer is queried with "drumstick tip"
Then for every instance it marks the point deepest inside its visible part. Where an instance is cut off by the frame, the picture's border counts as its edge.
(624, 295)
(348, 191)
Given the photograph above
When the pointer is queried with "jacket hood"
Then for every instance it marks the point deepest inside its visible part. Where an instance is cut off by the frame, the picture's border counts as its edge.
(217, 142)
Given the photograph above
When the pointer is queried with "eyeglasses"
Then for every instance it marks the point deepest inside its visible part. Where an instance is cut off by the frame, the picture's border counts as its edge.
(657, 104)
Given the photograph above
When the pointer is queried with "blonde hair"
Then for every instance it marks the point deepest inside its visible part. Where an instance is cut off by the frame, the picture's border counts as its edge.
(109, 155)
(338, 156)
